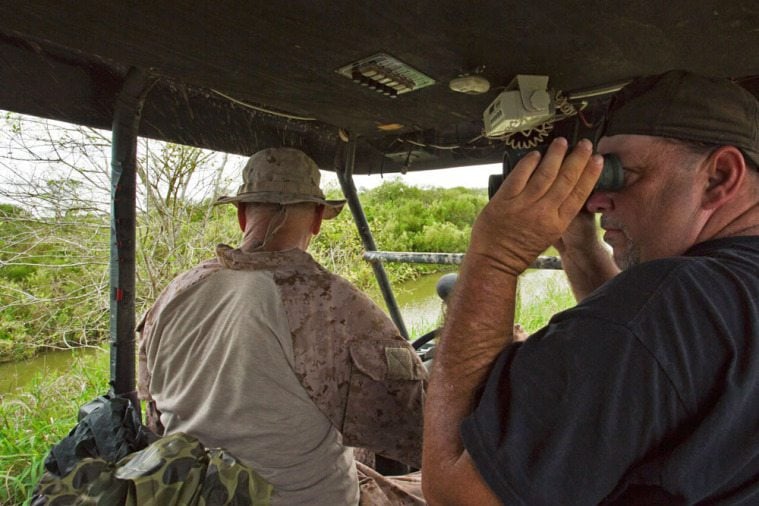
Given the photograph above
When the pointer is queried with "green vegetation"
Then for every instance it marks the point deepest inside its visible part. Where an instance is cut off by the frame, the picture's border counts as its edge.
(52, 282)
(402, 218)
(541, 295)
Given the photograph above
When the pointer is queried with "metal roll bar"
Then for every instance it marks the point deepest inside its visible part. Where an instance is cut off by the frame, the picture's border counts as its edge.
(375, 257)
(126, 121)
(344, 173)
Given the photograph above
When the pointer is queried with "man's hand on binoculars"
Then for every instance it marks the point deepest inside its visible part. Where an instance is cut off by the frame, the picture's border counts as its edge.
(535, 205)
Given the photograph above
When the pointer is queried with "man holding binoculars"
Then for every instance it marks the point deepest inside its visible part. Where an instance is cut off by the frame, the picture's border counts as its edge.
(646, 391)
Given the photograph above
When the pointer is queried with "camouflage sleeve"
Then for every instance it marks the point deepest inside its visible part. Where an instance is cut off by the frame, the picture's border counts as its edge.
(385, 399)
(354, 364)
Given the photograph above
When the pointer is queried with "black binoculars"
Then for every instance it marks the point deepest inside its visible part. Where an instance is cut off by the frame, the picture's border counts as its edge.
(612, 176)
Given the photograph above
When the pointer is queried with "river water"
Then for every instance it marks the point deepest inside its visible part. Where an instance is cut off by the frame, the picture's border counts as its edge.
(419, 303)
(20, 374)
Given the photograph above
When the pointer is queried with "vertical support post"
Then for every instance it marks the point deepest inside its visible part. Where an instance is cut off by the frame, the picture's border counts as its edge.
(345, 178)
(126, 121)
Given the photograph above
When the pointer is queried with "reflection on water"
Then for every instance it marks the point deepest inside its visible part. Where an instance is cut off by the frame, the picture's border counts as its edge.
(19, 374)
(419, 303)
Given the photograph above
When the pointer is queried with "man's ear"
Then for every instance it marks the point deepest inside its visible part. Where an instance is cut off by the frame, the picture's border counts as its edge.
(241, 219)
(727, 170)
(316, 224)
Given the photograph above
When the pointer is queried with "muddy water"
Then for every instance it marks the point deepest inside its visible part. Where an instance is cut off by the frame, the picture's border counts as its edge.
(420, 305)
(20, 374)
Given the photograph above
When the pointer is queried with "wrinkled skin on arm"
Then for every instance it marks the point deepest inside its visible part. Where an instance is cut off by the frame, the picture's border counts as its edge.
(531, 211)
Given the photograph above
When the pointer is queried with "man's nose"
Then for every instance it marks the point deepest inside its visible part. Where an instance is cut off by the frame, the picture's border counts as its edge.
(599, 202)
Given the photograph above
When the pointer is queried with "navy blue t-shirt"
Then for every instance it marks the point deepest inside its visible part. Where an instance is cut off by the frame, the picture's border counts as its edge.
(646, 392)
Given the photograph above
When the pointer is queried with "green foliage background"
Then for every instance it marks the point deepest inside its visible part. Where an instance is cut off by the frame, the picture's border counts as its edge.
(54, 273)
(33, 420)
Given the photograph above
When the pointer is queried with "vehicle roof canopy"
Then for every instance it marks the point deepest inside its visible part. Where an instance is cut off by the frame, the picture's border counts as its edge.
(221, 64)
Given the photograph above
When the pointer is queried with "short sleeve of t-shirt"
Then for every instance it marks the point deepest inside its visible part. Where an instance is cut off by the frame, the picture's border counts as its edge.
(558, 421)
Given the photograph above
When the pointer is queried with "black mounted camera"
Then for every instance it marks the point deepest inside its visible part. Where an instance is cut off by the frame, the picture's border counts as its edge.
(612, 176)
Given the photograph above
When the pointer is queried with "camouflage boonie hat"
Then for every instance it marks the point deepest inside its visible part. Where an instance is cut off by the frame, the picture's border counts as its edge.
(282, 176)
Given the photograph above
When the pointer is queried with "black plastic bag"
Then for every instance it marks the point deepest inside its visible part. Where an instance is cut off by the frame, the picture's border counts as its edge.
(109, 428)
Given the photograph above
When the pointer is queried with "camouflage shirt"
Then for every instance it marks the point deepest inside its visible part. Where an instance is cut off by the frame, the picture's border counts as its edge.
(343, 353)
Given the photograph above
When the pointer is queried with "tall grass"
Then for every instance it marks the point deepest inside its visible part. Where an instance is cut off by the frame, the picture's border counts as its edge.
(542, 293)
(37, 417)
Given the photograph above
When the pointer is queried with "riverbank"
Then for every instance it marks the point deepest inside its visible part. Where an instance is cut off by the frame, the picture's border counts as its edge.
(14, 375)
(36, 417)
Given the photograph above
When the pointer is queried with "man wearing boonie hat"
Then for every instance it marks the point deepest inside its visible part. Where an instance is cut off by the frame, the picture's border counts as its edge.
(263, 352)
(647, 391)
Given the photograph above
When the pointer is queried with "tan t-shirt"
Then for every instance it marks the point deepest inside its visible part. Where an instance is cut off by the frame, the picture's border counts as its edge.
(282, 363)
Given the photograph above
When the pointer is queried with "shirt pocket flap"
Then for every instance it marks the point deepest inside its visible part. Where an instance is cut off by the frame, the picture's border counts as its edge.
(386, 359)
